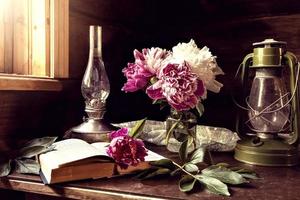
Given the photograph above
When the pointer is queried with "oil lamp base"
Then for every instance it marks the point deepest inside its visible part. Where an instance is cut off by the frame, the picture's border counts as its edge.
(93, 130)
(266, 152)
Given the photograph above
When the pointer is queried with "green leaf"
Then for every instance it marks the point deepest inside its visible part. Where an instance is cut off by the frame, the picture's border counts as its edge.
(142, 174)
(250, 176)
(183, 150)
(153, 80)
(190, 167)
(137, 129)
(159, 171)
(165, 163)
(208, 158)
(224, 174)
(214, 185)
(5, 168)
(170, 131)
(29, 152)
(157, 101)
(27, 166)
(44, 141)
(163, 105)
(198, 155)
(201, 155)
(222, 164)
(187, 183)
(242, 170)
(183, 137)
(176, 172)
(200, 109)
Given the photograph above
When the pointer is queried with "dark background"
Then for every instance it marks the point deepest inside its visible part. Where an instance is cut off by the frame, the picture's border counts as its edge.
(227, 27)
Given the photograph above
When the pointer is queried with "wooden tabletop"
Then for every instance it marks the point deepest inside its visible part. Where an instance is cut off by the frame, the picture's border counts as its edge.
(277, 183)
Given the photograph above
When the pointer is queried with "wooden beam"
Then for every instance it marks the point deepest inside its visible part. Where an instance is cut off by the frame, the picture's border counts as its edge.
(8, 36)
(59, 37)
(20, 37)
(2, 28)
(38, 29)
(22, 83)
(69, 191)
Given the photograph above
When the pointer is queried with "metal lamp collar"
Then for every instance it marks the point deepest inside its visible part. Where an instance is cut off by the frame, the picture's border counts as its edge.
(268, 53)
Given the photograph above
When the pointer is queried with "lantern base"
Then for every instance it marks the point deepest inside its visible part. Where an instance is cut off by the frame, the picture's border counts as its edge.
(92, 130)
(266, 152)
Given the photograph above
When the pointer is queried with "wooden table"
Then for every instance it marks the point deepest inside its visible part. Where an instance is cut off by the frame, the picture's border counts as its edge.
(277, 183)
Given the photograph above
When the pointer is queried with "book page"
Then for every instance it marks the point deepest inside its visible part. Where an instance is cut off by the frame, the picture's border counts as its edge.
(101, 147)
(67, 151)
(152, 156)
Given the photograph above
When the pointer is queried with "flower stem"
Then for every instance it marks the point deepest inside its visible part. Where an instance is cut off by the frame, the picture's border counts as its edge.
(188, 173)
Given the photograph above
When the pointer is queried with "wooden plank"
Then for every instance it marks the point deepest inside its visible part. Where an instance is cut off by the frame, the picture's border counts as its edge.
(166, 187)
(8, 36)
(29, 37)
(59, 37)
(17, 83)
(38, 28)
(47, 15)
(2, 35)
(69, 191)
(20, 37)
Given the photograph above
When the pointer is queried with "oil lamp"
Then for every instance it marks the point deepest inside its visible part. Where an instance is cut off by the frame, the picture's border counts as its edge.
(268, 124)
(95, 89)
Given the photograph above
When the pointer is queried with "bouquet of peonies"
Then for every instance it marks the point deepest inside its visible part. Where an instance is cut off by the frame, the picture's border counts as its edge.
(180, 77)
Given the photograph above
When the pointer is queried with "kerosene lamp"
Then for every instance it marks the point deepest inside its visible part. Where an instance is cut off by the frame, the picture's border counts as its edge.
(95, 89)
(268, 124)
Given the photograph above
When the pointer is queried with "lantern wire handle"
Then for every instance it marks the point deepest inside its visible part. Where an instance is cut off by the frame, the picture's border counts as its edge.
(233, 99)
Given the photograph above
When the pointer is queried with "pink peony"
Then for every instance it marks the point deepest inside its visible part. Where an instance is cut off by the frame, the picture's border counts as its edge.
(126, 150)
(137, 77)
(152, 59)
(118, 133)
(179, 86)
(147, 64)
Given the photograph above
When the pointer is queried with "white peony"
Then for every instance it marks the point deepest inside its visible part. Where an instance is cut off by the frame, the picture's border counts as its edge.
(202, 63)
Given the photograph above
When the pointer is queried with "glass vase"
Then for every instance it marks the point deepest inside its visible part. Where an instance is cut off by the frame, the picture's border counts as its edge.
(181, 126)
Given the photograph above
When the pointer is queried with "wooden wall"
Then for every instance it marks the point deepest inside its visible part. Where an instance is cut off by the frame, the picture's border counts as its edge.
(227, 27)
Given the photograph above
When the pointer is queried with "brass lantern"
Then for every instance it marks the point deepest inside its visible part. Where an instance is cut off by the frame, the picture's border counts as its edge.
(268, 122)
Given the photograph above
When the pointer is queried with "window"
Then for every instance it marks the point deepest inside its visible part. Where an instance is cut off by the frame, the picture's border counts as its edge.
(34, 38)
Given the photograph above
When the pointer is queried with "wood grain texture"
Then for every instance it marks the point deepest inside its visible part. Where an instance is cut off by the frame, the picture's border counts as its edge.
(228, 28)
(21, 83)
(59, 37)
(166, 188)
(8, 37)
(29, 114)
(2, 43)
(21, 37)
(38, 34)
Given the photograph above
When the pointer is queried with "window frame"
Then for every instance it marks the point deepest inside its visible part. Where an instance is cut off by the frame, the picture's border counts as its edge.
(57, 28)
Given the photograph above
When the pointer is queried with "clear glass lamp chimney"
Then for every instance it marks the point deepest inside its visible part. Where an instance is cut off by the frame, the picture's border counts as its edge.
(268, 102)
(95, 86)
(95, 89)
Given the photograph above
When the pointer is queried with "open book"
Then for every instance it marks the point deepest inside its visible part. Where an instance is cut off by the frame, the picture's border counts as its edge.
(75, 159)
